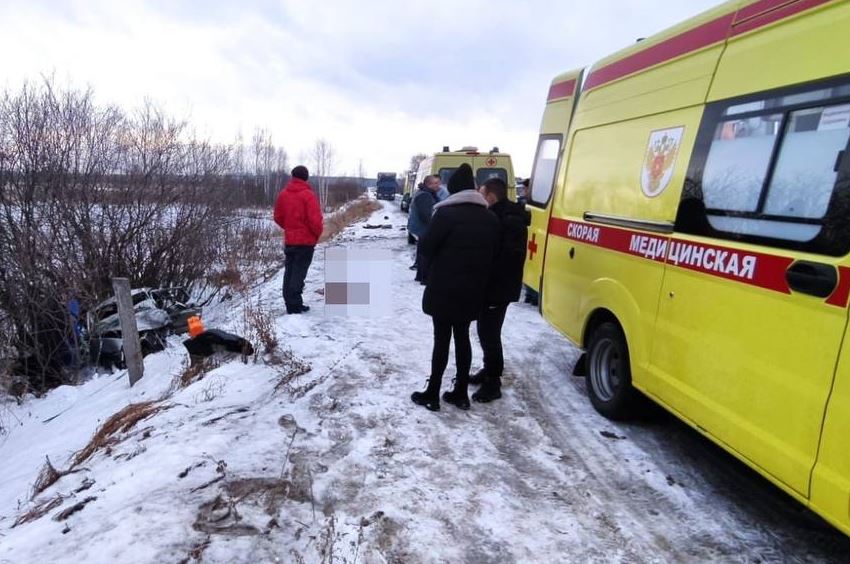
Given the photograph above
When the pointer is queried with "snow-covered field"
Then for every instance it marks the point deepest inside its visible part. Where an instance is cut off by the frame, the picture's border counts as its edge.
(340, 466)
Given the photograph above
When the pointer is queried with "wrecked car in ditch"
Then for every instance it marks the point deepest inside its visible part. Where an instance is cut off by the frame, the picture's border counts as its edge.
(159, 312)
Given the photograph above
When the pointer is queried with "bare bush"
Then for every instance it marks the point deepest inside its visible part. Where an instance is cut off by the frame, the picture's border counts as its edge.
(47, 476)
(211, 390)
(258, 326)
(228, 275)
(193, 372)
(290, 368)
(87, 193)
(358, 211)
(39, 510)
(343, 191)
(254, 250)
(120, 422)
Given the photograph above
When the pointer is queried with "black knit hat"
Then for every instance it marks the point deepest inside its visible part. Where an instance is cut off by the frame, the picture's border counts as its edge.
(301, 172)
(461, 179)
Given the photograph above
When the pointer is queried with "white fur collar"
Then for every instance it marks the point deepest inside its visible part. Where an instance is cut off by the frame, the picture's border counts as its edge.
(463, 197)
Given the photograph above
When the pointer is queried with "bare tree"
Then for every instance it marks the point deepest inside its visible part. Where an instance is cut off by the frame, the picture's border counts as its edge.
(262, 149)
(324, 160)
(238, 165)
(270, 164)
(361, 173)
(415, 160)
(89, 193)
(281, 161)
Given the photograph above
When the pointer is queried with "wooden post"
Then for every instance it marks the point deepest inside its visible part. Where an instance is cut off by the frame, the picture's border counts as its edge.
(129, 331)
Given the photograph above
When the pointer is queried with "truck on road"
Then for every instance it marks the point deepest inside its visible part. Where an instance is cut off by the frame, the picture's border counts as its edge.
(387, 186)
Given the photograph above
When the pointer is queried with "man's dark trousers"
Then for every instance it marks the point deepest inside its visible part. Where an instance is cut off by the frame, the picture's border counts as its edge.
(298, 259)
(490, 334)
(421, 268)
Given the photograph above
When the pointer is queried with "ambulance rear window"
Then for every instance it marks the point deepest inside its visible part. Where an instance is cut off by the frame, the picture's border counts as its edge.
(482, 175)
(774, 171)
(445, 174)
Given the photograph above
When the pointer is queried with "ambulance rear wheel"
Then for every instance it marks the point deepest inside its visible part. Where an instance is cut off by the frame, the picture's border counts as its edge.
(609, 376)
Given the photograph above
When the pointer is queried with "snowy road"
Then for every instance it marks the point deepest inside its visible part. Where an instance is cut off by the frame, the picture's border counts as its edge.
(342, 467)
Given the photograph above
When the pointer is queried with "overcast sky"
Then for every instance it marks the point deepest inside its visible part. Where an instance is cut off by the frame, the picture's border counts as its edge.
(380, 79)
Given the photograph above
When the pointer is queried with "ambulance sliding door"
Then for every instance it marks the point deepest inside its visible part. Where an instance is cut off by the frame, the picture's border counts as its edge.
(754, 302)
(830, 494)
(545, 177)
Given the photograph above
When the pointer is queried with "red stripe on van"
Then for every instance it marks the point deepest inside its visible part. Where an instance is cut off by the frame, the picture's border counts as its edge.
(701, 36)
(747, 19)
(772, 14)
(759, 8)
(561, 90)
(842, 291)
(558, 227)
(762, 270)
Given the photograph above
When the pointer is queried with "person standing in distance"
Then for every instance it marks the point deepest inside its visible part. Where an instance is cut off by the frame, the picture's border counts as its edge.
(419, 216)
(503, 287)
(458, 250)
(297, 212)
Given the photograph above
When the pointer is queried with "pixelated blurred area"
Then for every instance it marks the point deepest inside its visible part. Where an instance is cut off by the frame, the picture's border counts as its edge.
(358, 282)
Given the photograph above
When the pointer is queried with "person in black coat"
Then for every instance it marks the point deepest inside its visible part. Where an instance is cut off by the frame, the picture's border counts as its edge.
(504, 286)
(459, 247)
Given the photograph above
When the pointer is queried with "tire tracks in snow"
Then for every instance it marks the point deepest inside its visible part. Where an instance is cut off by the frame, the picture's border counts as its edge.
(682, 524)
(560, 486)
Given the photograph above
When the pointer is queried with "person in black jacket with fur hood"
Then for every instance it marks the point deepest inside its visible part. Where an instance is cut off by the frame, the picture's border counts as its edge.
(504, 287)
(459, 247)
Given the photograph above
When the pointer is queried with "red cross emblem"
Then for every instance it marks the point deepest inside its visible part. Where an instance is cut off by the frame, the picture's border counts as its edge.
(491, 161)
(532, 246)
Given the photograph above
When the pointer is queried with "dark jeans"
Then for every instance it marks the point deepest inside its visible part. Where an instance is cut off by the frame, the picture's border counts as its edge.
(298, 259)
(443, 331)
(490, 334)
(421, 267)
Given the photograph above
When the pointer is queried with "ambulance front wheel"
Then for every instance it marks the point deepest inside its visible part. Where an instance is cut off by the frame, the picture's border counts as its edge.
(609, 376)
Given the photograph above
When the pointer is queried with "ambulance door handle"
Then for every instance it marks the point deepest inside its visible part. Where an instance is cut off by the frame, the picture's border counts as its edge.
(812, 278)
(572, 252)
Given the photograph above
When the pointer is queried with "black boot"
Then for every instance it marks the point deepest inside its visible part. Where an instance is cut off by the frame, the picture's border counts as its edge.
(478, 378)
(490, 390)
(458, 396)
(430, 398)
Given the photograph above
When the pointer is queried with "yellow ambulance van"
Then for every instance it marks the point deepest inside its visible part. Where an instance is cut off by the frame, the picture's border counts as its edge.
(485, 165)
(691, 208)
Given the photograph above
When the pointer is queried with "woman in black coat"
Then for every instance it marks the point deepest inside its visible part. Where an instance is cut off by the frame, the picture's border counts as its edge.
(459, 246)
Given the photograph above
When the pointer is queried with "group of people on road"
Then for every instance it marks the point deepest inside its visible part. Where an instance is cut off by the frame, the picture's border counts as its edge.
(470, 256)
(470, 252)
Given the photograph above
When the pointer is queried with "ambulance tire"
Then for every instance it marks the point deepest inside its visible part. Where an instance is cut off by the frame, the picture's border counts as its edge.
(609, 375)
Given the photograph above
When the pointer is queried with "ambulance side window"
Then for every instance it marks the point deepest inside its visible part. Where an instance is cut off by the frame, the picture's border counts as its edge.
(805, 170)
(737, 162)
(545, 169)
(773, 171)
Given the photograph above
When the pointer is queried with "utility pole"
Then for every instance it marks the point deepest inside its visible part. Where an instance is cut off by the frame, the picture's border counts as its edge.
(129, 330)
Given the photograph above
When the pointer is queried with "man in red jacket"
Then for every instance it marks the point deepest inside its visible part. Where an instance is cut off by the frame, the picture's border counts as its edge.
(297, 212)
